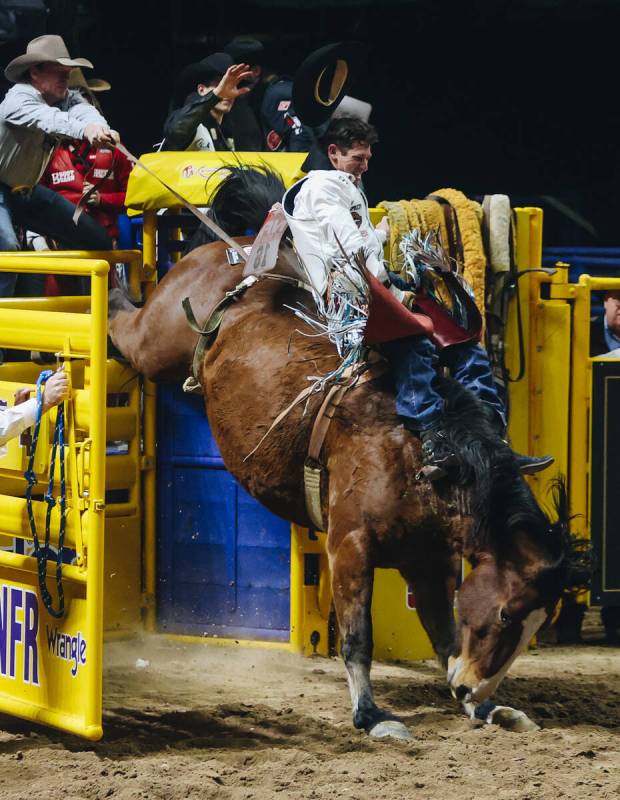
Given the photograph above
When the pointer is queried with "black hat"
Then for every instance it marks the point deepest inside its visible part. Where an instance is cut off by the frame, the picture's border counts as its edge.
(322, 81)
(244, 50)
(211, 67)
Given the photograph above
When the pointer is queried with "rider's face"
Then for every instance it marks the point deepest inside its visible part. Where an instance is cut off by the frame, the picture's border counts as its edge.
(354, 160)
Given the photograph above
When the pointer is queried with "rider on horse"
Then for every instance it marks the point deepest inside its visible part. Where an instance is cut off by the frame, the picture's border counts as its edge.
(328, 215)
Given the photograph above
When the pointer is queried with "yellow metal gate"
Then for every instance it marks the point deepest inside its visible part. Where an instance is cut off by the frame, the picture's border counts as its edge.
(51, 669)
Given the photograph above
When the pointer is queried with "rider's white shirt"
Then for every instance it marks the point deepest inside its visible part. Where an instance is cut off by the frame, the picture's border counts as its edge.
(327, 210)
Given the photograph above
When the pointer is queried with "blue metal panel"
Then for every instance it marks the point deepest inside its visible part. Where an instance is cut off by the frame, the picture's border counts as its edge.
(223, 560)
(183, 428)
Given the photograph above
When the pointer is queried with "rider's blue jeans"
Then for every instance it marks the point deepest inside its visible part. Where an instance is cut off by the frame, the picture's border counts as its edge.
(413, 362)
(49, 214)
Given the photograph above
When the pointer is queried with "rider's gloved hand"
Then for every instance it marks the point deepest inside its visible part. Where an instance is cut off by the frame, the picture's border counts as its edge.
(399, 282)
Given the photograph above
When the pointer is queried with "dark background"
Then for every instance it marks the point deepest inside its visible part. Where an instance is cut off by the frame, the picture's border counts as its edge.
(485, 96)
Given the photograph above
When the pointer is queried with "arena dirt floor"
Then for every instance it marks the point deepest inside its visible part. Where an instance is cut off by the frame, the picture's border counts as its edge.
(222, 722)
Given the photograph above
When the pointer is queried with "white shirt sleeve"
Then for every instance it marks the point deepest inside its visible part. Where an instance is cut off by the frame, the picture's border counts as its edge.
(329, 201)
(15, 419)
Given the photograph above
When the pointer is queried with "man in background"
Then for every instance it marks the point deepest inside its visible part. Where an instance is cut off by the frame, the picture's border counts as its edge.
(605, 331)
(36, 113)
(272, 124)
(206, 92)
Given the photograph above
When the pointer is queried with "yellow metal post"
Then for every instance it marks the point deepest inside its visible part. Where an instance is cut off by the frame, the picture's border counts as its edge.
(310, 602)
(149, 239)
(96, 510)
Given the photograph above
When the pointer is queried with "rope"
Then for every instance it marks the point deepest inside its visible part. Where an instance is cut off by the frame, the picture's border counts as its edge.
(40, 554)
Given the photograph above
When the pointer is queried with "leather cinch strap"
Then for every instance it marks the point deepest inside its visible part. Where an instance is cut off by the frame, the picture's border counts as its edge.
(313, 468)
(209, 330)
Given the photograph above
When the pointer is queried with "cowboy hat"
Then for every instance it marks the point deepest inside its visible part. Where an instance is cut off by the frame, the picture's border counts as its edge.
(78, 81)
(245, 50)
(322, 81)
(210, 68)
(39, 50)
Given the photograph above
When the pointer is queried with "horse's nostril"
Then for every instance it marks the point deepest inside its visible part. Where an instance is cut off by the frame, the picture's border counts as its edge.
(461, 691)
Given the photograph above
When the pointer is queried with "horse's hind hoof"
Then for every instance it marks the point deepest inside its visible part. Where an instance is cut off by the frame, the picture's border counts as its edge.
(393, 728)
(512, 720)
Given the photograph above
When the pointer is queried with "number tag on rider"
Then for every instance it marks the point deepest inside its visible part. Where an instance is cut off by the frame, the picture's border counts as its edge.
(234, 257)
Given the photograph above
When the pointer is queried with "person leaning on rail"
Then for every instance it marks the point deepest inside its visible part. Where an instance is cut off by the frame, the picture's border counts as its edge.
(36, 113)
(327, 213)
(23, 414)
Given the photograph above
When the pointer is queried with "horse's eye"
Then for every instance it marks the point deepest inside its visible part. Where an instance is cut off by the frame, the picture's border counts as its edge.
(505, 618)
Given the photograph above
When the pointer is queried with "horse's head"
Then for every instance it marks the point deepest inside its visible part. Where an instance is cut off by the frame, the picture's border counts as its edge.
(512, 590)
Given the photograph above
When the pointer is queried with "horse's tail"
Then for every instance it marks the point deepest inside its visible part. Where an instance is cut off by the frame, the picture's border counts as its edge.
(242, 200)
(500, 498)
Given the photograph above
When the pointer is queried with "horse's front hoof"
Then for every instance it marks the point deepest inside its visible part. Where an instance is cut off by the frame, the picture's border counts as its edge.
(393, 728)
(512, 720)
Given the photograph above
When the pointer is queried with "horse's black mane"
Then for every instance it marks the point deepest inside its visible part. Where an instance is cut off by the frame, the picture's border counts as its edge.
(501, 500)
(244, 197)
(240, 202)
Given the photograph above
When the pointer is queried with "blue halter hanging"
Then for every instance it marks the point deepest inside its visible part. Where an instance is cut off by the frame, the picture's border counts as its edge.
(42, 554)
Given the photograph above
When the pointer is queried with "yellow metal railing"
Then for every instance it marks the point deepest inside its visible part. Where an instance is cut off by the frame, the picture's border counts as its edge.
(48, 691)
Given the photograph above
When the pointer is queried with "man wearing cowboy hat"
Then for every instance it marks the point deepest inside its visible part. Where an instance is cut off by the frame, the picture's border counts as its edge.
(35, 114)
(267, 116)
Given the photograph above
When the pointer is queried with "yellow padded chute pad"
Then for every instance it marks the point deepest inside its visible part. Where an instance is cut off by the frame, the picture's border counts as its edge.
(193, 174)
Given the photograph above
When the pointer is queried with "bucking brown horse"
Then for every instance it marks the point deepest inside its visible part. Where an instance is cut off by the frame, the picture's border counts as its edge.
(378, 514)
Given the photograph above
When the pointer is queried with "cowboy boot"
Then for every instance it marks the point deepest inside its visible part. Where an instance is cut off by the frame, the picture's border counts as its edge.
(530, 465)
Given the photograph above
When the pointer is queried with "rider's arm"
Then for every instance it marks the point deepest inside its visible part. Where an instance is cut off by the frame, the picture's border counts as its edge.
(16, 419)
(180, 127)
(330, 203)
(23, 106)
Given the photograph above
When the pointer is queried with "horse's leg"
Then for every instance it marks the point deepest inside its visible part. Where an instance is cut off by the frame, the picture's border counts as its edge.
(435, 604)
(352, 581)
(435, 586)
